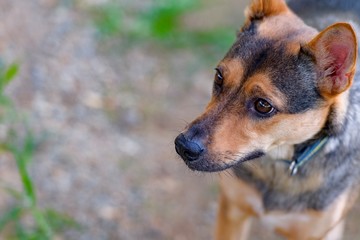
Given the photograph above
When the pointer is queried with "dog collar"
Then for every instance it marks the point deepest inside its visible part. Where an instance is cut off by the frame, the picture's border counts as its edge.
(307, 154)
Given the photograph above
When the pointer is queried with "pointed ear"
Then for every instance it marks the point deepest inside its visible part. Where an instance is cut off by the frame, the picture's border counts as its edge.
(335, 51)
(264, 8)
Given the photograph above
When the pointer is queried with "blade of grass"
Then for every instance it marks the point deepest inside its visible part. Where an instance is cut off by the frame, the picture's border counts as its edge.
(10, 73)
(42, 223)
(23, 156)
(21, 162)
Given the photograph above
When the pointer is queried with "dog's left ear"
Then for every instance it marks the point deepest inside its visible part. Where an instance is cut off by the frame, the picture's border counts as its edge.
(265, 8)
(335, 51)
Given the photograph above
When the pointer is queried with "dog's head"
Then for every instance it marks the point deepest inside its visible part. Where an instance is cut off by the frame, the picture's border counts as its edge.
(280, 83)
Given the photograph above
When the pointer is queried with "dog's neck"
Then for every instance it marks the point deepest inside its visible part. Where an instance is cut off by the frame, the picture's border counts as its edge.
(281, 152)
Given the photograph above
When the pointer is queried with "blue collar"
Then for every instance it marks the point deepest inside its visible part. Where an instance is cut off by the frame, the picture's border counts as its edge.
(307, 154)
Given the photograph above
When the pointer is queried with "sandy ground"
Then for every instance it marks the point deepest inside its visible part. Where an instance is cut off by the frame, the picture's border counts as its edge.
(109, 120)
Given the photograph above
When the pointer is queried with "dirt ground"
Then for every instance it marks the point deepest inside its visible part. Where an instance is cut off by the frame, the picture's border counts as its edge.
(109, 120)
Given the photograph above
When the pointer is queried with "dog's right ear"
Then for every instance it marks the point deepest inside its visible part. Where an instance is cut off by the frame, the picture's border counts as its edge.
(335, 51)
(259, 9)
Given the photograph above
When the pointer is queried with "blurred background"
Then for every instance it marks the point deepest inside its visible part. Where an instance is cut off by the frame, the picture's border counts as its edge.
(92, 95)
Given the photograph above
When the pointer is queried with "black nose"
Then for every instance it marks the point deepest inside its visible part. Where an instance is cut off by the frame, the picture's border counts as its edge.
(188, 150)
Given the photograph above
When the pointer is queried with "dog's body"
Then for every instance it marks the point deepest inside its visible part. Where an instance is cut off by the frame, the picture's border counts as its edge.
(283, 88)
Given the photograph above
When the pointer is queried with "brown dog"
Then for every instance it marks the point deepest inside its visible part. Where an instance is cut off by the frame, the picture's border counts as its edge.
(282, 101)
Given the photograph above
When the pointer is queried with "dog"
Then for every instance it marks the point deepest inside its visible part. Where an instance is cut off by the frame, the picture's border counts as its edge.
(284, 119)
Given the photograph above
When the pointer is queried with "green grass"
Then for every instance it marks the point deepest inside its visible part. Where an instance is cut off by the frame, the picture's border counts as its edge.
(21, 144)
(161, 24)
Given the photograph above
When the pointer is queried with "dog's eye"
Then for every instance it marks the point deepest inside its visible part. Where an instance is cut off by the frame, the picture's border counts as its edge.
(263, 107)
(219, 79)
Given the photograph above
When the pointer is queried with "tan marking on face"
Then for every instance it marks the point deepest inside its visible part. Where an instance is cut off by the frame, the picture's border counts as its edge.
(234, 135)
(233, 71)
(228, 136)
(294, 128)
(260, 85)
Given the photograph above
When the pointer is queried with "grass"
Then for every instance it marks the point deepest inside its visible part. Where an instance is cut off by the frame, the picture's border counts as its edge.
(20, 143)
(161, 24)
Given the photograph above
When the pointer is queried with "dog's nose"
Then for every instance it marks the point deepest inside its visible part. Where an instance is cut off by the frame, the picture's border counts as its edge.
(188, 150)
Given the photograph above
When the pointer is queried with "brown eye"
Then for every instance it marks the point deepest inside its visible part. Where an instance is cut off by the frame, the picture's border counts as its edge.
(219, 79)
(264, 107)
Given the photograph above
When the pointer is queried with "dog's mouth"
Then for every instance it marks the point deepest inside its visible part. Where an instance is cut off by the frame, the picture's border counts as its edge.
(219, 162)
